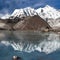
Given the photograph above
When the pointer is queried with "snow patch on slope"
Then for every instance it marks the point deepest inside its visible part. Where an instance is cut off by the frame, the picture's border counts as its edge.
(6, 16)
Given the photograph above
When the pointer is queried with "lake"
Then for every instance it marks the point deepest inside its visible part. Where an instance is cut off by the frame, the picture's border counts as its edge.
(29, 45)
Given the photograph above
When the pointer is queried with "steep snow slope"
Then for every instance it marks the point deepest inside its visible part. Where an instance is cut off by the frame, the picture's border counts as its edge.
(48, 12)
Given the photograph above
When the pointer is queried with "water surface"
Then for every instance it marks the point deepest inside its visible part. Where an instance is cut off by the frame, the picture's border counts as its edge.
(29, 45)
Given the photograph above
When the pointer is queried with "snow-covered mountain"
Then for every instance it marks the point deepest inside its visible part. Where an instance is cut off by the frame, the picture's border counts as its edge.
(51, 15)
(24, 12)
(45, 12)
(48, 12)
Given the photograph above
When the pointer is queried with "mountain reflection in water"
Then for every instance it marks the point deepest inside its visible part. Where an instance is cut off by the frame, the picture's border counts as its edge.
(29, 45)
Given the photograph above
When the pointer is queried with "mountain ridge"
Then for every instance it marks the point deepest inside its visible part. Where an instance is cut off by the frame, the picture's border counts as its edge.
(47, 13)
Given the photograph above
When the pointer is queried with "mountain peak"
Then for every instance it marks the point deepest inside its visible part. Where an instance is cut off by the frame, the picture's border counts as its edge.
(47, 6)
(48, 12)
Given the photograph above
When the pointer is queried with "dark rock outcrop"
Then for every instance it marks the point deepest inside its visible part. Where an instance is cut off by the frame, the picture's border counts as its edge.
(32, 23)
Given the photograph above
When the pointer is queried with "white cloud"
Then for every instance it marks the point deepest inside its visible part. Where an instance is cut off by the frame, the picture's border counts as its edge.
(39, 4)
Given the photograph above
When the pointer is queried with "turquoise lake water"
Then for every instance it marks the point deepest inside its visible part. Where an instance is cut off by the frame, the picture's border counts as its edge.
(29, 45)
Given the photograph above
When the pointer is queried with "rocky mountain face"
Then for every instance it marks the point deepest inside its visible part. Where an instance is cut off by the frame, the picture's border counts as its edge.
(32, 23)
(48, 13)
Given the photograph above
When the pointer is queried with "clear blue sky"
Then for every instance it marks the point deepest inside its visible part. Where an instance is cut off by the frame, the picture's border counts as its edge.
(10, 5)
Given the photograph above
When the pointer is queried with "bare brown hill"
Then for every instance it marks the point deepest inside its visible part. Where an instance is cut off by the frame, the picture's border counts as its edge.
(32, 23)
(4, 25)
